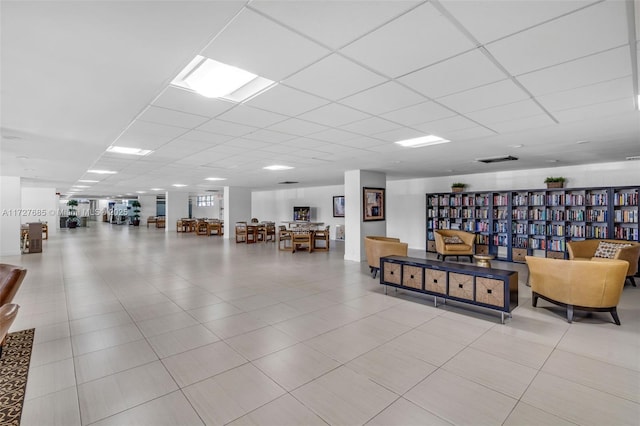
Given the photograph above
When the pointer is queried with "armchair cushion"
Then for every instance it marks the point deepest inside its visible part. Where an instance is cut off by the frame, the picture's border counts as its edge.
(453, 240)
(608, 250)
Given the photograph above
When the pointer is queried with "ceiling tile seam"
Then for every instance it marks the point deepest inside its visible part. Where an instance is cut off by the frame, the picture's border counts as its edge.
(592, 104)
(187, 112)
(488, 55)
(445, 11)
(515, 81)
(631, 28)
(269, 17)
(546, 67)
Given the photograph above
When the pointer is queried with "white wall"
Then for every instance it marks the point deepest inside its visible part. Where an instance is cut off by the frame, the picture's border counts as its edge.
(38, 201)
(277, 206)
(177, 207)
(212, 212)
(406, 202)
(10, 205)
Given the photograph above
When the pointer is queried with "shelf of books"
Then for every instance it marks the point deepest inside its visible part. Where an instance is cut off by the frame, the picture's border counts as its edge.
(538, 222)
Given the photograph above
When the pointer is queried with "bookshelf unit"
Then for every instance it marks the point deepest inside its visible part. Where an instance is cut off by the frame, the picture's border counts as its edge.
(535, 222)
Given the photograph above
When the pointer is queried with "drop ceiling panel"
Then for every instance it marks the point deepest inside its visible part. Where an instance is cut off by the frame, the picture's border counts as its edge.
(500, 93)
(207, 137)
(604, 66)
(145, 135)
(334, 115)
(466, 71)
(226, 128)
(249, 116)
(334, 78)
(370, 126)
(503, 113)
(363, 142)
(594, 29)
(269, 136)
(384, 98)
(333, 135)
(421, 113)
(303, 143)
(258, 45)
(599, 110)
(285, 100)
(407, 43)
(190, 102)
(333, 23)
(171, 117)
(524, 123)
(297, 127)
(583, 96)
(490, 20)
(398, 134)
(446, 125)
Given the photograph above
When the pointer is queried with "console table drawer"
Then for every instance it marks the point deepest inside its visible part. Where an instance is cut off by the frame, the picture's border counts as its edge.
(392, 272)
(490, 291)
(461, 286)
(436, 281)
(412, 276)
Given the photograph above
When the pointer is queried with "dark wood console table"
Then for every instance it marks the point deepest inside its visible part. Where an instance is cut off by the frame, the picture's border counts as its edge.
(490, 288)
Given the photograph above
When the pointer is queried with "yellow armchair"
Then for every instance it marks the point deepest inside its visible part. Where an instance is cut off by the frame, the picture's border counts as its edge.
(590, 286)
(585, 250)
(377, 247)
(446, 248)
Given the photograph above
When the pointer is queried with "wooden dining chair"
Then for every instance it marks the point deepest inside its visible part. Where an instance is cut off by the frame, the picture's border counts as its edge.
(241, 232)
(302, 240)
(284, 239)
(252, 234)
(321, 235)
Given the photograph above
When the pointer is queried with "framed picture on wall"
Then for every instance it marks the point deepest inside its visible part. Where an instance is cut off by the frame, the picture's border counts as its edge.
(338, 206)
(373, 204)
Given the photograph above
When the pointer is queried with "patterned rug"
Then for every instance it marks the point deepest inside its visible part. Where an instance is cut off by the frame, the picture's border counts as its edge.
(14, 369)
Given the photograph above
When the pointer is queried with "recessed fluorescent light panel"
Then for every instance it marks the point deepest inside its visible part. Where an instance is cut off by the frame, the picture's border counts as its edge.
(422, 141)
(88, 181)
(127, 150)
(277, 167)
(102, 172)
(214, 79)
(178, 185)
(215, 178)
(81, 186)
(157, 189)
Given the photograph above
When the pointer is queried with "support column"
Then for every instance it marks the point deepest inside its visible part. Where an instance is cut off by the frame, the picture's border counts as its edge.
(148, 207)
(176, 207)
(237, 208)
(43, 202)
(355, 228)
(10, 205)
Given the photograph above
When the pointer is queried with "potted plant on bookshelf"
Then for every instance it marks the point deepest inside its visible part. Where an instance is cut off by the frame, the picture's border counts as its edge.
(136, 212)
(555, 182)
(458, 186)
(72, 220)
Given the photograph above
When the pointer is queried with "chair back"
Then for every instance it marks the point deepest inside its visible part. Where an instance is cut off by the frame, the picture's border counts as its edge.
(11, 277)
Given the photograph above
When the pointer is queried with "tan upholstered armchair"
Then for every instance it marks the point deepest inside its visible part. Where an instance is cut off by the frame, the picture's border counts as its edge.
(377, 247)
(11, 277)
(462, 246)
(591, 286)
(586, 250)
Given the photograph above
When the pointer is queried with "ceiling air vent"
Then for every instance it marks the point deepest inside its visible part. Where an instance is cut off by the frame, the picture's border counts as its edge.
(634, 157)
(287, 182)
(497, 159)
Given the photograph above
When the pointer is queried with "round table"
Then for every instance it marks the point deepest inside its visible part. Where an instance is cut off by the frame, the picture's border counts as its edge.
(484, 260)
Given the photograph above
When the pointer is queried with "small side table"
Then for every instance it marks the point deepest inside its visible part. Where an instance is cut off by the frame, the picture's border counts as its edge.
(484, 260)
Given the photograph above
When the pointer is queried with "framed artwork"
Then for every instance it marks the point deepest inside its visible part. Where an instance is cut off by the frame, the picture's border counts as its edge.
(338, 206)
(373, 204)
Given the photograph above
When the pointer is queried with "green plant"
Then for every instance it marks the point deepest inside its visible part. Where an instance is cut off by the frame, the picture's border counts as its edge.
(555, 179)
(458, 185)
(72, 220)
(136, 212)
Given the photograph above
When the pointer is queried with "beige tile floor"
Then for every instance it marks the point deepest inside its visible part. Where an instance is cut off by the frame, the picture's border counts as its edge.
(139, 326)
